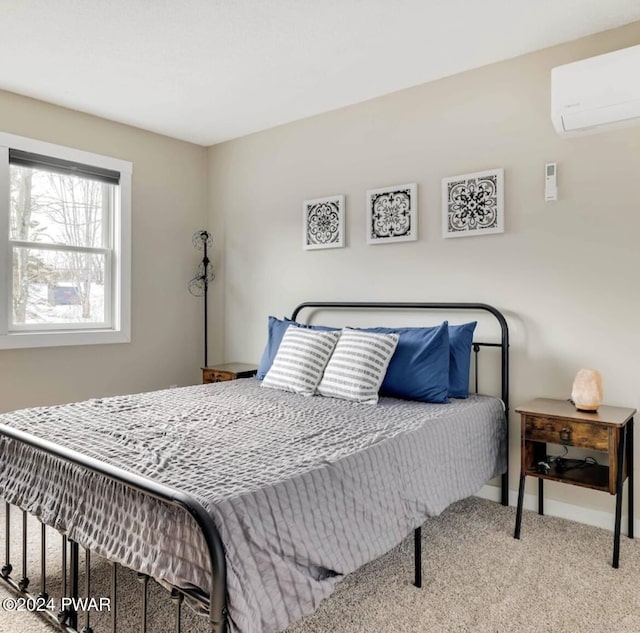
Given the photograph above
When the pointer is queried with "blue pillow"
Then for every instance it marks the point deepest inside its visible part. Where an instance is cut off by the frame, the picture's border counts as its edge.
(419, 368)
(277, 328)
(460, 340)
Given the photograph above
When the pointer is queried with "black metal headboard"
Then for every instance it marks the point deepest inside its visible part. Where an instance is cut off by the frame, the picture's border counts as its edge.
(471, 307)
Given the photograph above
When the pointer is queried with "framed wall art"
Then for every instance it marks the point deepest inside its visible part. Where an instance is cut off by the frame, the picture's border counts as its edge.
(323, 223)
(473, 204)
(392, 214)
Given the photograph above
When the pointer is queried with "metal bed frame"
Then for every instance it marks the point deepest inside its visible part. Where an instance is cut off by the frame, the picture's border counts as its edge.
(215, 603)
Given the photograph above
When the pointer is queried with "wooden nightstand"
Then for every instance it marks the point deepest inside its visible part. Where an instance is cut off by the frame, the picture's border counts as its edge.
(228, 371)
(608, 431)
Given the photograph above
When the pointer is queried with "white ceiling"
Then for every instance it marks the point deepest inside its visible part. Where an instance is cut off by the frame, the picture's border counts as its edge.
(210, 70)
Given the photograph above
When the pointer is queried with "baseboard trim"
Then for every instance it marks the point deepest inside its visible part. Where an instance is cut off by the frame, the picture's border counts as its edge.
(597, 518)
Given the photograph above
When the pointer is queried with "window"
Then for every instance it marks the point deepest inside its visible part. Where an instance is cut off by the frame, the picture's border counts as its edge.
(64, 245)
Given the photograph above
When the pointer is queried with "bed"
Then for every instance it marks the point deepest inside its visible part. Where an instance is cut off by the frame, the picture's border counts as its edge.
(251, 503)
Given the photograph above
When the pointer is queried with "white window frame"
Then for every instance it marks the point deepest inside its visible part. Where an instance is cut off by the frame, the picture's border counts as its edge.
(117, 328)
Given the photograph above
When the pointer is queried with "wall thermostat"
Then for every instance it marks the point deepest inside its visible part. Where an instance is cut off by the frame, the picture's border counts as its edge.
(550, 187)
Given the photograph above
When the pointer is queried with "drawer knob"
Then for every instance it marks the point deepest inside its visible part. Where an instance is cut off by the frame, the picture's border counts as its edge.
(565, 435)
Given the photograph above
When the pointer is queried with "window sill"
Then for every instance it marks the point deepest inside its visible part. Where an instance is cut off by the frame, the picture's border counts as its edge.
(22, 340)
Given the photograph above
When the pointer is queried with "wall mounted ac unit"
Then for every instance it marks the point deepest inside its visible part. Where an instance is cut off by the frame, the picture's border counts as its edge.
(596, 94)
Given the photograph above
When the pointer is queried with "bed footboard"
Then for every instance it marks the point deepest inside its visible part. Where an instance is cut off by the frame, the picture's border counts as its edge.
(215, 603)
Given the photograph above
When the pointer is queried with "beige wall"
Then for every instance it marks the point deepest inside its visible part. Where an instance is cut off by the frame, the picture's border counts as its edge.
(564, 273)
(169, 190)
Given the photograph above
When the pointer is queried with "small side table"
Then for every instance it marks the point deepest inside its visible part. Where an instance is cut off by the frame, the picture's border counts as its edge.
(609, 431)
(228, 371)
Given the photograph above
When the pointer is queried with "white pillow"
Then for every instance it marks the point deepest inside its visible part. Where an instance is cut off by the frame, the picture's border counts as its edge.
(358, 365)
(300, 360)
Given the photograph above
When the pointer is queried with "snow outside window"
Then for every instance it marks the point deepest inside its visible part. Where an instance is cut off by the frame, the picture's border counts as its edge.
(64, 247)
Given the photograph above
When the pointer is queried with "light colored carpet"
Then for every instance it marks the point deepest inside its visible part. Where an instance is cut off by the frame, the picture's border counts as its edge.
(557, 579)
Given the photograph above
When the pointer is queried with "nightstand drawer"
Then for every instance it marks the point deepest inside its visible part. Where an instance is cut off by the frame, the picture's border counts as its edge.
(213, 375)
(228, 371)
(569, 433)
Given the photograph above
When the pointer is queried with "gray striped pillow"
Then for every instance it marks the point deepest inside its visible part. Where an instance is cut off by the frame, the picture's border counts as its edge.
(300, 361)
(358, 366)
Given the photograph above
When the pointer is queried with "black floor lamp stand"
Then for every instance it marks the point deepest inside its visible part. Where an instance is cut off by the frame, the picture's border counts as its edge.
(199, 285)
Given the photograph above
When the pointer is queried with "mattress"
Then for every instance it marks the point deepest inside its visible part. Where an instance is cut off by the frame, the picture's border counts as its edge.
(302, 490)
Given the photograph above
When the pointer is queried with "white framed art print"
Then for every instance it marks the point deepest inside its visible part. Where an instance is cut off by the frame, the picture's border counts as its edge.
(392, 214)
(473, 204)
(323, 223)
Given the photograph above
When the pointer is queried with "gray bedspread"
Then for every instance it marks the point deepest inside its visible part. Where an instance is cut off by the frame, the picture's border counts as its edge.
(303, 490)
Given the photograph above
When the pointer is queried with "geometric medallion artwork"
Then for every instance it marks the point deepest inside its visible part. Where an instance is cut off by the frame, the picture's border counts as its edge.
(323, 223)
(392, 214)
(473, 204)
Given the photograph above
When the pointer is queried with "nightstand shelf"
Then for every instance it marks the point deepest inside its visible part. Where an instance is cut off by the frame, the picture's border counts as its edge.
(594, 476)
(608, 432)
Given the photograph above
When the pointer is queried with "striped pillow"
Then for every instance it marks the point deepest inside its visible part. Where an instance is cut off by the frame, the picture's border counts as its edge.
(358, 366)
(300, 361)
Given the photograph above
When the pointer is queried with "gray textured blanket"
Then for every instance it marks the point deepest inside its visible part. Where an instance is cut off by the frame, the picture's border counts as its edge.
(303, 490)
